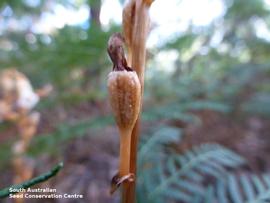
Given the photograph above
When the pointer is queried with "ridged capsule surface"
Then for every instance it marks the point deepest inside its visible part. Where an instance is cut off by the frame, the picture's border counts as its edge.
(125, 95)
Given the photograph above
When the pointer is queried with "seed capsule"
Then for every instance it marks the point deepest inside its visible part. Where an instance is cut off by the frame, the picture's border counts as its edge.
(125, 97)
(125, 93)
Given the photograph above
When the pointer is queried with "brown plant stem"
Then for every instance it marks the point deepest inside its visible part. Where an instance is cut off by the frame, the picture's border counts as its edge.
(135, 26)
(124, 162)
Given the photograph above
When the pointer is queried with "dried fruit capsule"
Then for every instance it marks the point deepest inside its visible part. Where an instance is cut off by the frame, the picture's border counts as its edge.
(125, 96)
(124, 92)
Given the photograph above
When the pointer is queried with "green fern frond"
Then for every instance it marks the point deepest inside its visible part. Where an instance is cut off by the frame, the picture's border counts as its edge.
(247, 188)
(170, 111)
(180, 177)
(258, 104)
(164, 135)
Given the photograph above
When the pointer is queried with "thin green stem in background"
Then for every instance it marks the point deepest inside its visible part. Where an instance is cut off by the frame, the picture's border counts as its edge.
(6, 191)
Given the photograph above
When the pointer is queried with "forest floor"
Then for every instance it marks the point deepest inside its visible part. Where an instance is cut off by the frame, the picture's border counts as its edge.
(92, 160)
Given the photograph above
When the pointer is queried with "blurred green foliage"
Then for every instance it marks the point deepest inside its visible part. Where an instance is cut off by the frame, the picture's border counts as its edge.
(231, 75)
(203, 174)
(223, 67)
(74, 59)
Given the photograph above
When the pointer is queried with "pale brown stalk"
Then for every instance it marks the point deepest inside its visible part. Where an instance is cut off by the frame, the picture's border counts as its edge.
(135, 28)
(124, 162)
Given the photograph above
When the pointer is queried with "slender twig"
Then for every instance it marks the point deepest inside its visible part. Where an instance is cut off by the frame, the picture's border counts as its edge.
(135, 26)
(6, 191)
